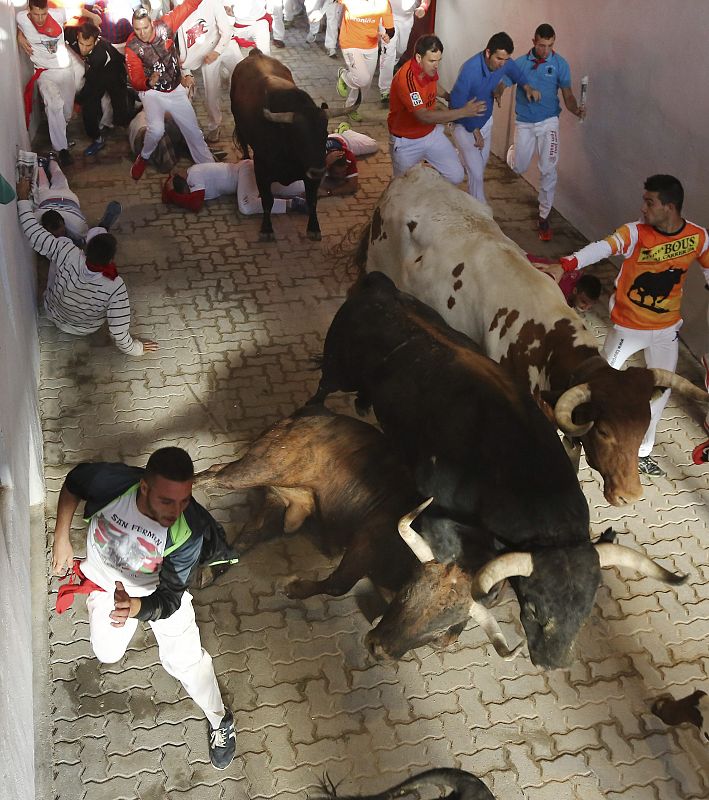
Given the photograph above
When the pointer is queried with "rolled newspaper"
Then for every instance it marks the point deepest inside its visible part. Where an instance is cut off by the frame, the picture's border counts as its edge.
(584, 92)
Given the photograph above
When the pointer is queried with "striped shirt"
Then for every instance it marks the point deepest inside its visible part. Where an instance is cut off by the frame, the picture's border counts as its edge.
(78, 300)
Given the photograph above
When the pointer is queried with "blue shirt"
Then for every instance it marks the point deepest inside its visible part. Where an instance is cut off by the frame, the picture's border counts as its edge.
(476, 80)
(548, 78)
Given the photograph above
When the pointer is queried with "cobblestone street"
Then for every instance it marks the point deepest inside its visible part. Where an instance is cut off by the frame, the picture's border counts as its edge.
(240, 324)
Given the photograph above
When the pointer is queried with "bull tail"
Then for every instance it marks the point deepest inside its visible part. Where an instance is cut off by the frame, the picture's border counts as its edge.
(461, 785)
(360, 258)
(240, 142)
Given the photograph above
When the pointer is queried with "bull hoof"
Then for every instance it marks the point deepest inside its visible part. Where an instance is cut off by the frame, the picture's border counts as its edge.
(297, 589)
(267, 237)
(315, 236)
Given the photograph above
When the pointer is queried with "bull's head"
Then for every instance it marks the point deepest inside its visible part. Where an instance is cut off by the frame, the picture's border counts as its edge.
(610, 414)
(555, 587)
(433, 606)
(309, 132)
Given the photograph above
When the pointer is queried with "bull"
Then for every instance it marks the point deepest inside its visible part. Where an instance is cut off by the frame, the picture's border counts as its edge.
(343, 471)
(479, 444)
(453, 784)
(286, 130)
(451, 254)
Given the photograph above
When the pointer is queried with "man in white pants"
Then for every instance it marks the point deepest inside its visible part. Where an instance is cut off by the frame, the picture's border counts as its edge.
(154, 70)
(251, 24)
(404, 12)
(365, 24)
(415, 124)
(537, 124)
(54, 194)
(206, 43)
(479, 77)
(331, 10)
(645, 308)
(41, 36)
(146, 536)
(209, 181)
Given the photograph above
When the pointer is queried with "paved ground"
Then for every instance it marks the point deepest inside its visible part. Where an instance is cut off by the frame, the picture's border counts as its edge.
(238, 324)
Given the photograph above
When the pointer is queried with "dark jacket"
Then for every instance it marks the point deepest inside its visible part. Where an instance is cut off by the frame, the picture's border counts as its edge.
(104, 66)
(196, 538)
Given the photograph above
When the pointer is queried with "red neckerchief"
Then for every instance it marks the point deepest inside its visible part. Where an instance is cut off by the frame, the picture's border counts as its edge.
(537, 61)
(109, 270)
(50, 28)
(420, 75)
(77, 583)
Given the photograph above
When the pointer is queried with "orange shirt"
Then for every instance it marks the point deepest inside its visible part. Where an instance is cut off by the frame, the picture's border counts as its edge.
(407, 94)
(360, 24)
(649, 285)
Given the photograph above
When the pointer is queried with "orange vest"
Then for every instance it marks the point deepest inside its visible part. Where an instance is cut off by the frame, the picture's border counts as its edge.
(649, 285)
(406, 96)
(360, 24)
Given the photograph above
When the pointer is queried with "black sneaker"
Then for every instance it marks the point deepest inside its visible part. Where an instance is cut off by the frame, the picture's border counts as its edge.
(222, 742)
(64, 158)
(110, 215)
(646, 466)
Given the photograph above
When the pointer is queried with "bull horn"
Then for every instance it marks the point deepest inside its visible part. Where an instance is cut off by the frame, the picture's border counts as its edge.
(343, 112)
(415, 541)
(670, 380)
(505, 566)
(564, 409)
(489, 624)
(286, 117)
(615, 555)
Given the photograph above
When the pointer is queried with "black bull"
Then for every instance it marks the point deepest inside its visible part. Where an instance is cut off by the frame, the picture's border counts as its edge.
(483, 449)
(286, 130)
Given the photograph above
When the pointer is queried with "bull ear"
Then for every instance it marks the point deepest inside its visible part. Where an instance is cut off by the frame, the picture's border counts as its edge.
(324, 106)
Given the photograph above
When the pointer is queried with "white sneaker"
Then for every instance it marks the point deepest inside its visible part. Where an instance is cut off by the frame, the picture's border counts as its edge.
(511, 156)
(212, 136)
(332, 52)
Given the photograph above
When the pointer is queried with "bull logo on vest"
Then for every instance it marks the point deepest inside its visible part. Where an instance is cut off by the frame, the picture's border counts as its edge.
(655, 286)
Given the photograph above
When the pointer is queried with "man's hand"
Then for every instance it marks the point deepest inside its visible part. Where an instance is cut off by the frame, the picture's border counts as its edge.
(150, 346)
(385, 38)
(153, 80)
(479, 140)
(211, 57)
(189, 83)
(62, 554)
(23, 189)
(421, 11)
(474, 108)
(533, 95)
(124, 606)
(23, 42)
(581, 112)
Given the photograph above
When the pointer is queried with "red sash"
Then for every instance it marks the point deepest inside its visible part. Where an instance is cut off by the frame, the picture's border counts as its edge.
(77, 583)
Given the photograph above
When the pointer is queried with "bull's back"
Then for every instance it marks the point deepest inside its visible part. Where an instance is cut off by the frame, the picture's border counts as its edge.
(451, 254)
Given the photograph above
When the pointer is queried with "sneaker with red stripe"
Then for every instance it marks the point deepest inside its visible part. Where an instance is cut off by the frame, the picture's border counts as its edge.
(544, 228)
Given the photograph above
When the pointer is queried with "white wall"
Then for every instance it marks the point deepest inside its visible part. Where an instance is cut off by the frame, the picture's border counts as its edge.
(20, 446)
(647, 62)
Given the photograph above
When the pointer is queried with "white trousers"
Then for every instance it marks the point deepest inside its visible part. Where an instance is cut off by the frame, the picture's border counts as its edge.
(542, 137)
(248, 198)
(332, 11)
(393, 51)
(434, 147)
(474, 158)
(57, 88)
(212, 75)
(660, 348)
(179, 645)
(275, 9)
(359, 143)
(361, 66)
(156, 105)
(257, 32)
(51, 195)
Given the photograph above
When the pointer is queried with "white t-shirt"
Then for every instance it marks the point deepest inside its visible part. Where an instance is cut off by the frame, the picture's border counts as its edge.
(216, 179)
(124, 545)
(49, 51)
(246, 11)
